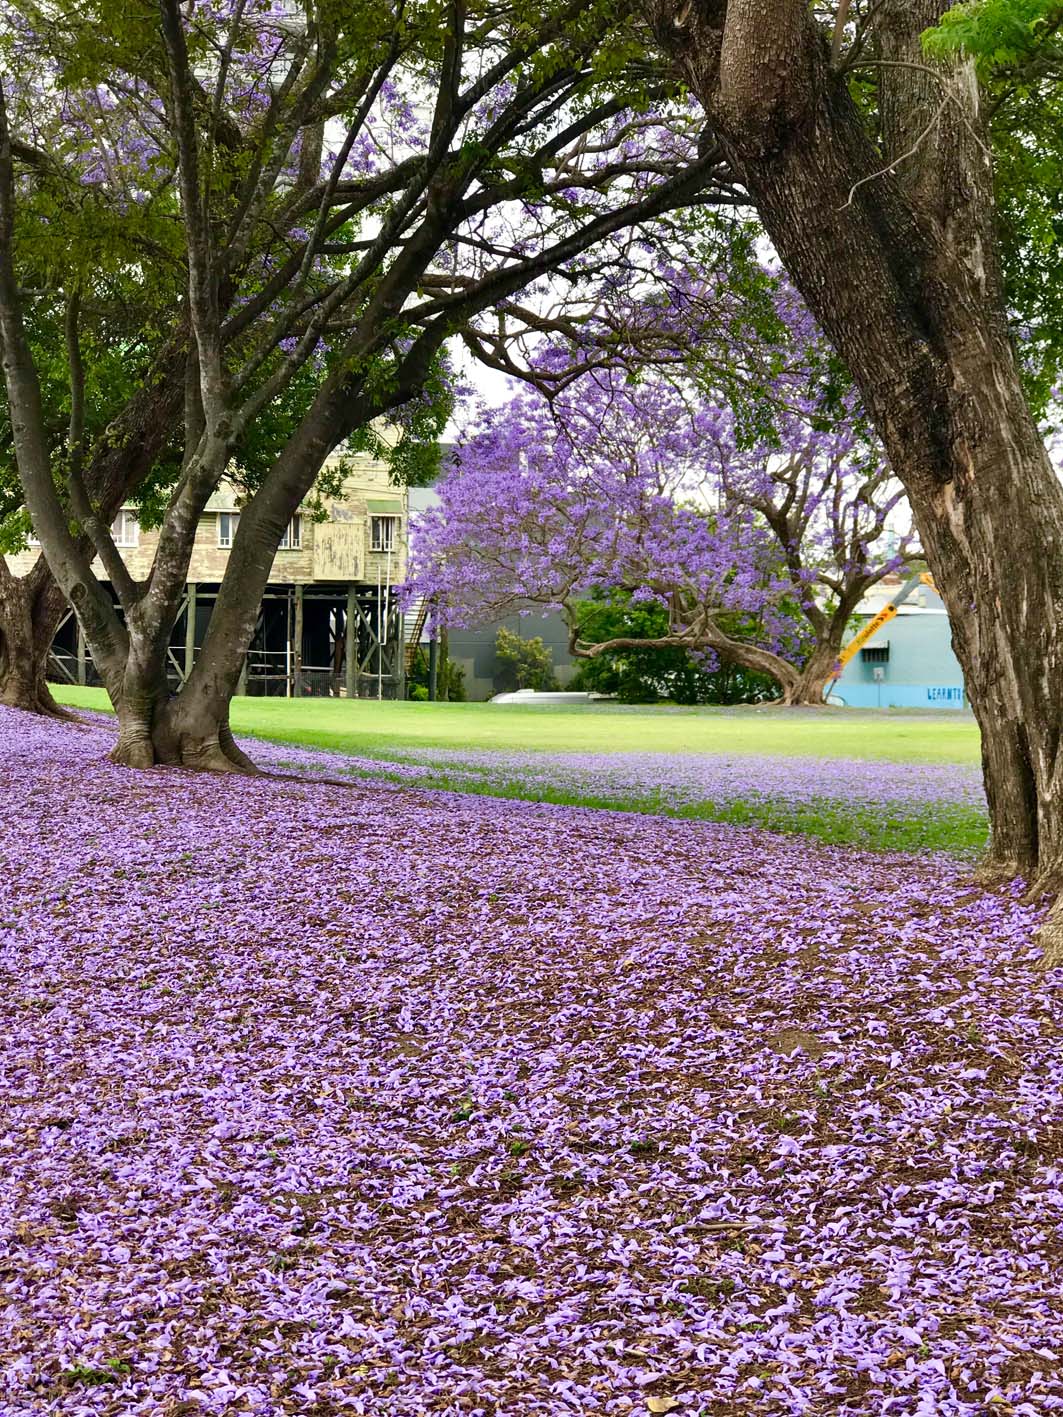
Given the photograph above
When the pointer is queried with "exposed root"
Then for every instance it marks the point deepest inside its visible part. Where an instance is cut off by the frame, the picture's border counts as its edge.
(1049, 883)
(209, 755)
(234, 752)
(133, 751)
(994, 872)
(35, 698)
(1050, 938)
(1044, 884)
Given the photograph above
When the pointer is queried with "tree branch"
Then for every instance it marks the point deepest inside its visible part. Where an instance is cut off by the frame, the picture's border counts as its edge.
(202, 286)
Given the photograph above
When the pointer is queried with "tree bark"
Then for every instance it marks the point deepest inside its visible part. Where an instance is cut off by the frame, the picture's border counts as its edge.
(810, 687)
(30, 610)
(193, 727)
(895, 254)
(32, 606)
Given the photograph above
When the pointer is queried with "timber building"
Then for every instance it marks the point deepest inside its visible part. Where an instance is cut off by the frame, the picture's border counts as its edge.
(330, 621)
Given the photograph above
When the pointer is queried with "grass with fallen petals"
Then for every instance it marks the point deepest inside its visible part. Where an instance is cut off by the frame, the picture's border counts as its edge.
(528, 754)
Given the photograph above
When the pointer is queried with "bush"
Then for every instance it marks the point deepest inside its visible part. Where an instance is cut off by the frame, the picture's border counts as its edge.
(450, 677)
(523, 664)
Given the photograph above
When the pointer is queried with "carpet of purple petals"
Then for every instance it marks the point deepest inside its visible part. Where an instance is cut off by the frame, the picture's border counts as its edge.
(678, 780)
(321, 1099)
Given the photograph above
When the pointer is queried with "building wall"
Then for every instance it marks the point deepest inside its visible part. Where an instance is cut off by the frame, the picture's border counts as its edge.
(474, 651)
(338, 549)
(921, 672)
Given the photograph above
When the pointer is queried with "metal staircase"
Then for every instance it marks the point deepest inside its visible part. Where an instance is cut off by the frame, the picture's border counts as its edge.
(413, 623)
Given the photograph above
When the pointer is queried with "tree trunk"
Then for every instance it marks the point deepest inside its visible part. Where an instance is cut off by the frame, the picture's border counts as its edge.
(809, 687)
(192, 732)
(32, 606)
(194, 726)
(899, 266)
(30, 610)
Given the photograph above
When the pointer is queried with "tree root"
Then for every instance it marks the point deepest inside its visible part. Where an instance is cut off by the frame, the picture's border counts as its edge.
(133, 751)
(1047, 884)
(204, 747)
(235, 753)
(1050, 938)
(209, 755)
(1042, 884)
(994, 872)
(34, 699)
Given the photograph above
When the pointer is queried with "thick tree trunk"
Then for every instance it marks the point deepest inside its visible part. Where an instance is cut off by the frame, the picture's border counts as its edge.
(194, 726)
(30, 610)
(156, 727)
(194, 732)
(899, 266)
(809, 688)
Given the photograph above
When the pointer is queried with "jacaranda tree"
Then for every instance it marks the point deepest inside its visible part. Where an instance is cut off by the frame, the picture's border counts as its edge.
(653, 489)
(349, 190)
(100, 280)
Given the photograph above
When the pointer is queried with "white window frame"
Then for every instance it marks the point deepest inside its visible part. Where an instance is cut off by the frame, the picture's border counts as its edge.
(125, 530)
(383, 538)
(232, 522)
(292, 540)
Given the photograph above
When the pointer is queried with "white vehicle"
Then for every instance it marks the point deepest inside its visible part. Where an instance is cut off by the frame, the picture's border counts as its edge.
(544, 696)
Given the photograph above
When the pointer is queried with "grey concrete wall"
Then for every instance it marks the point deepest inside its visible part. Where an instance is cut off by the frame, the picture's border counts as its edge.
(474, 650)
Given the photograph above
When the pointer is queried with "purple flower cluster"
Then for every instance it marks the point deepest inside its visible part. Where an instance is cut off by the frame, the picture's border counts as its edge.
(322, 1099)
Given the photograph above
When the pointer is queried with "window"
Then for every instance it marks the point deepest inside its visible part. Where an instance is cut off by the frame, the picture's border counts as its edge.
(876, 654)
(227, 524)
(126, 529)
(382, 533)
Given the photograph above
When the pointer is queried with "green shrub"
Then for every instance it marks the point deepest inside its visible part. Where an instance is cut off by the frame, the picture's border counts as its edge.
(523, 664)
(450, 677)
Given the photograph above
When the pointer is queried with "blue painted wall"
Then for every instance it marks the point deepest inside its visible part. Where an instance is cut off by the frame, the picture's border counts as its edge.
(922, 671)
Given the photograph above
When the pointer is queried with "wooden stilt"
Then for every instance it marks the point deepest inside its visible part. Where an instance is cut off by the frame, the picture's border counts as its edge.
(297, 643)
(190, 629)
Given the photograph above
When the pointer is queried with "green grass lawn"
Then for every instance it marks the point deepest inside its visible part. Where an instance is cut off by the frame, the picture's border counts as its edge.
(365, 727)
(386, 732)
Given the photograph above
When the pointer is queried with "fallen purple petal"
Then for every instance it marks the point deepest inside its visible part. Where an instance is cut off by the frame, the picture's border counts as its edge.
(375, 1099)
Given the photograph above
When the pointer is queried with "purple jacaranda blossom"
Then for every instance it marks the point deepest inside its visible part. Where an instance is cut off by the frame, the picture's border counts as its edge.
(678, 779)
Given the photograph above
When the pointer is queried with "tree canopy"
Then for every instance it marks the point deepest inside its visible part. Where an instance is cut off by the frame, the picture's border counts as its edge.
(652, 488)
(346, 191)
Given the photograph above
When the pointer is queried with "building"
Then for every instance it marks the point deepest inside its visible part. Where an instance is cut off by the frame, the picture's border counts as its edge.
(330, 621)
(474, 650)
(909, 663)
